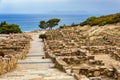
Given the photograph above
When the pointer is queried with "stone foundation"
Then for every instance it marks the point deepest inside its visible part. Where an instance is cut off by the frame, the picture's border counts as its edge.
(73, 50)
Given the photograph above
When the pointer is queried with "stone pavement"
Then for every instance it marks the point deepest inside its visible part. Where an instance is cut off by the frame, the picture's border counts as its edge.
(34, 67)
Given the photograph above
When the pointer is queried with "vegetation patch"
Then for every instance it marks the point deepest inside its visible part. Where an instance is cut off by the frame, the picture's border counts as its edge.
(6, 28)
(49, 24)
(102, 20)
(43, 36)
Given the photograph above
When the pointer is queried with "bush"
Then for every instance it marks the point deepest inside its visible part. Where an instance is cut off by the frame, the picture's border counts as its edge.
(61, 27)
(83, 23)
(91, 18)
(9, 28)
(102, 23)
(43, 36)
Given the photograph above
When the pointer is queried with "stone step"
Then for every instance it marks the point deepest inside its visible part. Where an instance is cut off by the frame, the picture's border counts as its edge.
(22, 77)
(57, 77)
(34, 67)
(34, 62)
(35, 55)
(35, 59)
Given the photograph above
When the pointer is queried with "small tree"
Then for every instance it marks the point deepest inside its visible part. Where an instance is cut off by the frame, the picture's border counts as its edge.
(43, 36)
(43, 25)
(52, 22)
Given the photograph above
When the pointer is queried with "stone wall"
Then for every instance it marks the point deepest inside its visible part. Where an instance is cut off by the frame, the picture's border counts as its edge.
(12, 48)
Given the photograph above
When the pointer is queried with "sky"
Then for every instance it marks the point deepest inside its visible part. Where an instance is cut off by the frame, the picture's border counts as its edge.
(59, 6)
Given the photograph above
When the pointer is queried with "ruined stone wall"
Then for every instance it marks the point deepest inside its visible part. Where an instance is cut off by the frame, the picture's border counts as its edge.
(73, 49)
(12, 48)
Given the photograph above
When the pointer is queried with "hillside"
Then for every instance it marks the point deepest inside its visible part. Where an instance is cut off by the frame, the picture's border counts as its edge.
(102, 20)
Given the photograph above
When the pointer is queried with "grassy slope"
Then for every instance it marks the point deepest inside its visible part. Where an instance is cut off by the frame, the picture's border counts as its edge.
(102, 20)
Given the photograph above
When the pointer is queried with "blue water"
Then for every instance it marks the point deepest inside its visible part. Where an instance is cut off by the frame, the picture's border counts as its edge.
(30, 22)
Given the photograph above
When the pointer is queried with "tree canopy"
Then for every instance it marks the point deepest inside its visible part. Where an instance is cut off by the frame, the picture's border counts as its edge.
(53, 22)
(49, 24)
(42, 25)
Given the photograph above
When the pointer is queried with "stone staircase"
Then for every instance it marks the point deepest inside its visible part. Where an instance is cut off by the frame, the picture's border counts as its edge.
(35, 67)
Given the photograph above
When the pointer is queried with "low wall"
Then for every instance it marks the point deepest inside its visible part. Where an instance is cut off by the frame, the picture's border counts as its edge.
(12, 48)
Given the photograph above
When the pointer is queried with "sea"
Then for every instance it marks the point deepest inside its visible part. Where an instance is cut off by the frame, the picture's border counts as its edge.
(30, 22)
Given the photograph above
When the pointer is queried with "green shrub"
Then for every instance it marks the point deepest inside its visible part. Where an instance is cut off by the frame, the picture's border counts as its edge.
(61, 27)
(102, 23)
(43, 36)
(9, 28)
(91, 18)
(83, 23)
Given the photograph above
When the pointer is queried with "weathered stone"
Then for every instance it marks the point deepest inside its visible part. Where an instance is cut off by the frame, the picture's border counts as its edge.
(95, 78)
(11, 49)
(1, 65)
(77, 47)
(96, 73)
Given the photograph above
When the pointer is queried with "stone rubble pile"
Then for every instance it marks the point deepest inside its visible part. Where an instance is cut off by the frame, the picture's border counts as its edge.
(12, 48)
(73, 51)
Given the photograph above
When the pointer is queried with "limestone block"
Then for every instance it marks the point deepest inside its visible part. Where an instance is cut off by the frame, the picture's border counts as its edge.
(23, 55)
(17, 56)
(68, 71)
(110, 73)
(84, 71)
(13, 62)
(118, 76)
(91, 57)
(5, 65)
(96, 73)
(8, 58)
(1, 65)
(75, 71)
(102, 69)
(95, 78)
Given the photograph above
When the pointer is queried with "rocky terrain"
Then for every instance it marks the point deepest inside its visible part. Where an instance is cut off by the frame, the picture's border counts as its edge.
(12, 48)
(87, 53)
(34, 66)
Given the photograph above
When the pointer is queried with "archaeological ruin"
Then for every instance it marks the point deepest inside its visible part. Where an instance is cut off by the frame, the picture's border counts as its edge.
(87, 53)
(12, 48)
